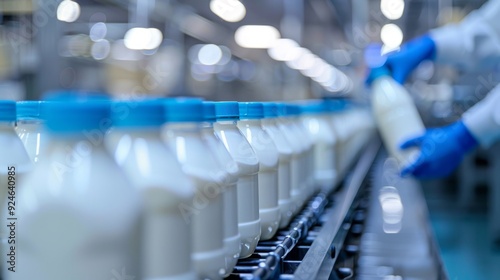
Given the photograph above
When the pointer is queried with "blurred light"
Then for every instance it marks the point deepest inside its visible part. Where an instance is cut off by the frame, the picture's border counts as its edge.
(226, 55)
(100, 49)
(98, 31)
(303, 59)
(209, 54)
(193, 53)
(120, 52)
(256, 36)
(391, 35)
(325, 75)
(143, 38)
(392, 209)
(68, 11)
(199, 73)
(392, 9)
(228, 10)
(318, 67)
(284, 50)
(229, 72)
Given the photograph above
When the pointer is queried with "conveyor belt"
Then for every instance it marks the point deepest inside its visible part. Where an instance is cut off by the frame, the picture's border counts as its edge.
(330, 238)
(314, 241)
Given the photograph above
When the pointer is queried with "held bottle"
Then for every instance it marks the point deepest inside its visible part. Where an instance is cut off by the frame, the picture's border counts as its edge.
(396, 116)
(182, 133)
(285, 151)
(137, 147)
(78, 216)
(29, 128)
(230, 197)
(250, 125)
(247, 188)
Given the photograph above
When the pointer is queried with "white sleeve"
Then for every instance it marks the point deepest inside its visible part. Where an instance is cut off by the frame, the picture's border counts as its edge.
(483, 119)
(472, 44)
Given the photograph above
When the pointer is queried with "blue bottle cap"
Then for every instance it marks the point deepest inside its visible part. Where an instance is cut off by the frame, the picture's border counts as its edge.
(270, 110)
(70, 116)
(313, 108)
(281, 109)
(145, 113)
(292, 109)
(209, 111)
(335, 105)
(7, 111)
(251, 110)
(183, 110)
(30, 110)
(227, 110)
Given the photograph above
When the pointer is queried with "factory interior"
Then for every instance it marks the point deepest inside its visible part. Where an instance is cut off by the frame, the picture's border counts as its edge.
(370, 222)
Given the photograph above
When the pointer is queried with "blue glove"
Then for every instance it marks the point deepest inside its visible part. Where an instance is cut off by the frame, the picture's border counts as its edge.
(401, 63)
(441, 151)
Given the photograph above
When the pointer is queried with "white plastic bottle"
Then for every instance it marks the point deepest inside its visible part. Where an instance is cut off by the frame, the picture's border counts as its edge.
(285, 156)
(319, 127)
(307, 175)
(396, 116)
(29, 128)
(182, 133)
(14, 165)
(338, 118)
(247, 187)
(297, 160)
(78, 215)
(137, 147)
(250, 125)
(232, 237)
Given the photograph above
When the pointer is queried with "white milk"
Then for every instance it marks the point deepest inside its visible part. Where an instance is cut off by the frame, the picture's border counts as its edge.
(319, 127)
(205, 213)
(396, 116)
(247, 187)
(297, 160)
(29, 128)
(307, 176)
(137, 147)
(250, 125)
(269, 124)
(78, 215)
(232, 237)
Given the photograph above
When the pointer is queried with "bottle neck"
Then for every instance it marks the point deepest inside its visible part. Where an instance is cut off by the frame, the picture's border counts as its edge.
(227, 122)
(256, 122)
(140, 132)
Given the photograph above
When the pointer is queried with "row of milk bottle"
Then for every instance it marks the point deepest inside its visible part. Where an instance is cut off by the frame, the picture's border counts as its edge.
(163, 188)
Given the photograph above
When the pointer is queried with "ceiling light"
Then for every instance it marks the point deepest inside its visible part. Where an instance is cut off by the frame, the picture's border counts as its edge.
(68, 11)
(228, 10)
(392, 9)
(284, 50)
(143, 38)
(391, 35)
(256, 36)
(210, 54)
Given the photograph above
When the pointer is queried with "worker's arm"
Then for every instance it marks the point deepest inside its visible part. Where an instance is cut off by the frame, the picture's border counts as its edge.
(483, 120)
(472, 44)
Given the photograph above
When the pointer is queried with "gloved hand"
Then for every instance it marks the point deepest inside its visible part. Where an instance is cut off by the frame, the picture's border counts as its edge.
(441, 151)
(401, 63)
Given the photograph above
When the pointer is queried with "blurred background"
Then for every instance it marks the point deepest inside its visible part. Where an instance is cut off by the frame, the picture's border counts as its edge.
(258, 50)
